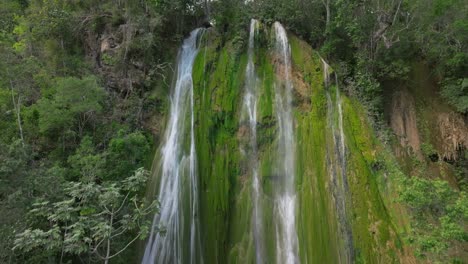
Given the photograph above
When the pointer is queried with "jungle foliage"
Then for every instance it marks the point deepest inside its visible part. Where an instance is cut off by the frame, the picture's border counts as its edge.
(80, 81)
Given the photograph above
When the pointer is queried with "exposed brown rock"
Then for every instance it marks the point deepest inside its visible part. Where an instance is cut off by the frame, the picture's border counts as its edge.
(301, 91)
(404, 124)
(453, 132)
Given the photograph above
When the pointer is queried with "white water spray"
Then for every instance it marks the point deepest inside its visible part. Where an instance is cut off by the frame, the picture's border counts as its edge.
(285, 201)
(178, 189)
(250, 115)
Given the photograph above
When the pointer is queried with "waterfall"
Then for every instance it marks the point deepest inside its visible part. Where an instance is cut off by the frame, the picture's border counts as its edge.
(178, 188)
(250, 109)
(336, 164)
(285, 200)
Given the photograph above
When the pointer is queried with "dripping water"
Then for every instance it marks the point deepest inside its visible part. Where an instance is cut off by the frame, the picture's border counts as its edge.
(178, 189)
(285, 201)
(336, 164)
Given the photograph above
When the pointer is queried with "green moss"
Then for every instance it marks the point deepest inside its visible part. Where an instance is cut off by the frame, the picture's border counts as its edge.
(217, 81)
(373, 229)
(225, 198)
(318, 236)
(375, 235)
(241, 249)
(267, 78)
(307, 62)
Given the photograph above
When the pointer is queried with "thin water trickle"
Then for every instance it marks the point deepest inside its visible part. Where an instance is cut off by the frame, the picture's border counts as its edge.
(250, 116)
(336, 164)
(178, 211)
(285, 200)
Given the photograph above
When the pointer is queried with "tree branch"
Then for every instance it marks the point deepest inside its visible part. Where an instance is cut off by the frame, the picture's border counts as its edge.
(123, 249)
(123, 203)
(16, 106)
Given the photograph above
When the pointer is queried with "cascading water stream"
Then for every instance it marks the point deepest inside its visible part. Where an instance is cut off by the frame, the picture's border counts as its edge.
(178, 188)
(336, 163)
(285, 201)
(250, 113)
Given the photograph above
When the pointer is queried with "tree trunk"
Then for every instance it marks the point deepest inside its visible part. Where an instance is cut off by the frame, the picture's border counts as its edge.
(326, 4)
(106, 261)
(207, 10)
(327, 7)
(17, 107)
(63, 244)
(63, 50)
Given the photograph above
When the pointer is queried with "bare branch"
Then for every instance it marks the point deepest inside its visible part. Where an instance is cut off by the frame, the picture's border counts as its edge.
(123, 203)
(123, 249)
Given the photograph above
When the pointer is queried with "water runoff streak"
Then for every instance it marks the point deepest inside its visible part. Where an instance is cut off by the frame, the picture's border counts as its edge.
(336, 164)
(249, 115)
(178, 188)
(285, 201)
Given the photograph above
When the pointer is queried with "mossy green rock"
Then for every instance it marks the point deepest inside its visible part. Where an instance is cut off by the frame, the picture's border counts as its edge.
(225, 184)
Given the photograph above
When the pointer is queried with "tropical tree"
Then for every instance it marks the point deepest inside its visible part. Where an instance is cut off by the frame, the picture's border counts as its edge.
(91, 220)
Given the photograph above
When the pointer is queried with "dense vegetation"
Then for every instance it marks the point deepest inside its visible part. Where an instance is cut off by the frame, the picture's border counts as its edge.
(83, 93)
(73, 124)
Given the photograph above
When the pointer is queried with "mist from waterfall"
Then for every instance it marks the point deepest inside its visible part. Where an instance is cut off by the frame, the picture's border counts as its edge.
(178, 187)
(285, 200)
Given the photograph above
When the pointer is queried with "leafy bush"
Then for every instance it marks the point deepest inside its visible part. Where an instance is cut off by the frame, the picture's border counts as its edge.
(73, 105)
(393, 70)
(365, 87)
(126, 152)
(439, 214)
(86, 164)
(456, 93)
(89, 220)
(428, 150)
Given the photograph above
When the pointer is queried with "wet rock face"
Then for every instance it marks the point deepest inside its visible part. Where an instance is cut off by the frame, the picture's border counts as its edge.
(223, 146)
(301, 90)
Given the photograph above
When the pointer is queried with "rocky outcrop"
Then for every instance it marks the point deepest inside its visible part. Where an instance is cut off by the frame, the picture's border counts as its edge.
(404, 124)
(453, 132)
(110, 52)
(426, 127)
